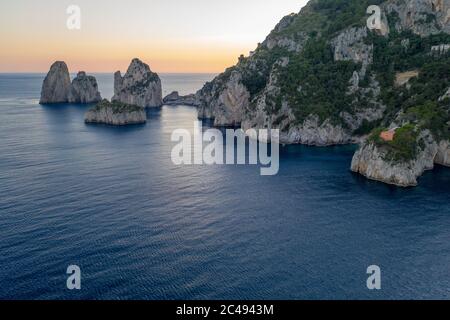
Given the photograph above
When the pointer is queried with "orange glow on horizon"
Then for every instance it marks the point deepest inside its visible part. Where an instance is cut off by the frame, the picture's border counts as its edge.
(200, 36)
(109, 58)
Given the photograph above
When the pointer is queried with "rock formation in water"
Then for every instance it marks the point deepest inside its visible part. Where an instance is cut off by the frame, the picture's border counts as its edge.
(373, 161)
(116, 113)
(139, 86)
(56, 86)
(322, 77)
(174, 99)
(84, 89)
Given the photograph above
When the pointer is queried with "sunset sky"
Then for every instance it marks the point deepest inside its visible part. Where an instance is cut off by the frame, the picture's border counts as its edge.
(170, 35)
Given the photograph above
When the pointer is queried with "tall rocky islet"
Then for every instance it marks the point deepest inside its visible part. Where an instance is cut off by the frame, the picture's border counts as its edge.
(57, 87)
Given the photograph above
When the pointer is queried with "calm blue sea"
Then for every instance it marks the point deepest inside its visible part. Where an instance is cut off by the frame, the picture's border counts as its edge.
(111, 201)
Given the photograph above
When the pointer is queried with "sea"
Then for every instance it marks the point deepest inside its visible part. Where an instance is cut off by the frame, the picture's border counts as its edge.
(111, 201)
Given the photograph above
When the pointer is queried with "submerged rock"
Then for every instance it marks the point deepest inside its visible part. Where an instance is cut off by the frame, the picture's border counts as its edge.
(116, 113)
(175, 99)
(84, 89)
(139, 86)
(56, 86)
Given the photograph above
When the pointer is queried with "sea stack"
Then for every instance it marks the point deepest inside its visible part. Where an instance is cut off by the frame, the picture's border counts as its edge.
(115, 113)
(84, 89)
(56, 86)
(58, 89)
(139, 86)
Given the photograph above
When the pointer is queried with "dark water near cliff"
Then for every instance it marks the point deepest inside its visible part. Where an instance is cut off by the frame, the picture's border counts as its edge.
(110, 200)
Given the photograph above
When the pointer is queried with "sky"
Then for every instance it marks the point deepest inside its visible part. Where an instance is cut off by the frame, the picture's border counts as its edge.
(204, 36)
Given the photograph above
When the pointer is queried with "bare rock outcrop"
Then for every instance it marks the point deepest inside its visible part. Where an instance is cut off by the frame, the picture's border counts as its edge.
(349, 45)
(423, 17)
(445, 96)
(224, 102)
(139, 86)
(116, 113)
(294, 82)
(56, 86)
(314, 133)
(84, 89)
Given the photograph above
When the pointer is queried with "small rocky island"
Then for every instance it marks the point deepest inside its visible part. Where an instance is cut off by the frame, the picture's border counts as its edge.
(116, 113)
(57, 87)
(174, 99)
(139, 86)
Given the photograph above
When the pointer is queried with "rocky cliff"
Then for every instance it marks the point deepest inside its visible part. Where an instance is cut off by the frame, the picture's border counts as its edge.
(373, 161)
(139, 86)
(57, 87)
(322, 77)
(116, 113)
(84, 89)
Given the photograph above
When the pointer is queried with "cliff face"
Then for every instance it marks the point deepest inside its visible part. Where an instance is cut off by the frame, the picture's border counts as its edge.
(116, 114)
(372, 162)
(58, 89)
(84, 89)
(322, 77)
(56, 86)
(422, 17)
(225, 104)
(139, 86)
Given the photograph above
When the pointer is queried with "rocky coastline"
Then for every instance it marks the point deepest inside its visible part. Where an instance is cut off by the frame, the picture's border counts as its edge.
(321, 79)
(174, 99)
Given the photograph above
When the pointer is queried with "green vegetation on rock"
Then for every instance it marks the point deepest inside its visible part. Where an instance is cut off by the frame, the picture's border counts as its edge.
(313, 83)
(117, 107)
(405, 146)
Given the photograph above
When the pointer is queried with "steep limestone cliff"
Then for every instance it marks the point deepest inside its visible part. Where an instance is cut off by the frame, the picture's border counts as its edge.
(56, 86)
(373, 162)
(174, 99)
(139, 86)
(84, 89)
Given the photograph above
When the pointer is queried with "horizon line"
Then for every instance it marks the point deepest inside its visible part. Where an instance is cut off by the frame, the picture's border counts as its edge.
(105, 72)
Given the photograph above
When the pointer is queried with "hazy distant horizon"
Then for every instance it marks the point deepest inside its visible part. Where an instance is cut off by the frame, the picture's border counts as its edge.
(195, 36)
